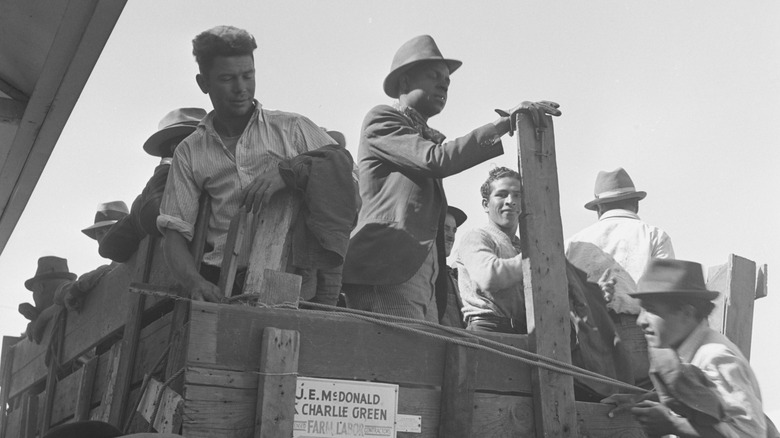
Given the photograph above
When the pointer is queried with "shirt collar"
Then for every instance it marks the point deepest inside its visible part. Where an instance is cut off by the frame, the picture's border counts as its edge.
(618, 212)
(494, 229)
(688, 347)
(208, 121)
(419, 123)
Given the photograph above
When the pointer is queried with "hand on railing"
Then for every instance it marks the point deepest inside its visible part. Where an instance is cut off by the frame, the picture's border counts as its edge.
(537, 110)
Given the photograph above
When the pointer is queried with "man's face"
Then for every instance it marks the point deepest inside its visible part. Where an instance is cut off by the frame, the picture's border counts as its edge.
(230, 84)
(426, 87)
(662, 325)
(450, 228)
(503, 204)
(100, 233)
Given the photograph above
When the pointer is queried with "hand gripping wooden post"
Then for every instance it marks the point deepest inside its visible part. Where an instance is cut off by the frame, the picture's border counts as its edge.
(544, 277)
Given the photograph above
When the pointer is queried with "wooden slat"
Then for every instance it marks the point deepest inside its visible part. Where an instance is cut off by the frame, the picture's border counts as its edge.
(57, 341)
(425, 403)
(270, 244)
(593, 420)
(457, 392)
(276, 383)
(127, 354)
(228, 337)
(761, 282)
(30, 408)
(733, 314)
(107, 399)
(65, 395)
(7, 358)
(86, 384)
(544, 277)
(12, 425)
(499, 416)
(234, 247)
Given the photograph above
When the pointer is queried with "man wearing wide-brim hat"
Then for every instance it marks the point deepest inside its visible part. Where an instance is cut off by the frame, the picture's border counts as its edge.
(396, 251)
(704, 385)
(51, 274)
(616, 249)
(108, 213)
(122, 240)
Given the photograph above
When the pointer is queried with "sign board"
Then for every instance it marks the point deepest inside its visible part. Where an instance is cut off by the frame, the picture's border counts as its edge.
(344, 408)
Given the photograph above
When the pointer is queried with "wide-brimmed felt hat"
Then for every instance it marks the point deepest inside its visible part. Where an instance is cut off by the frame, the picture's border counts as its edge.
(613, 186)
(665, 277)
(108, 213)
(416, 50)
(178, 123)
(84, 429)
(50, 267)
(458, 214)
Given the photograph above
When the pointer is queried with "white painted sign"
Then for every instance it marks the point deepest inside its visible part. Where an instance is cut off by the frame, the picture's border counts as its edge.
(327, 408)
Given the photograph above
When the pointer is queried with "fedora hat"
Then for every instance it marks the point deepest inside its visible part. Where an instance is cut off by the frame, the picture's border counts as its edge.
(664, 277)
(458, 214)
(178, 123)
(50, 267)
(613, 186)
(414, 51)
(108, 213)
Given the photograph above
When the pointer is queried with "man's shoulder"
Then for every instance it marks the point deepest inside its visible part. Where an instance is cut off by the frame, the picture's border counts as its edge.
(273, 116)
(380, 112)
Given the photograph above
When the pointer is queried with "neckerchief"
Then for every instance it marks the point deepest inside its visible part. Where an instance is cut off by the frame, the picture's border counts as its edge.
(419, 123)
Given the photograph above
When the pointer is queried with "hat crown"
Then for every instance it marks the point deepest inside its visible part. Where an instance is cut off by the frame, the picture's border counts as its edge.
(613, 182)
(457, 214)
(666, 276)
(111, 211)
(418, 49)
(182, 116)
(51, 265)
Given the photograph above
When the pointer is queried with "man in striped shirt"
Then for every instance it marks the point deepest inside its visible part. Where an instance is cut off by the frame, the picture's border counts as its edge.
(233, 155)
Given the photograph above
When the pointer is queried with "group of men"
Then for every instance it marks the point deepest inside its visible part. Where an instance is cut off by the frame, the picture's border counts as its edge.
(386, 249)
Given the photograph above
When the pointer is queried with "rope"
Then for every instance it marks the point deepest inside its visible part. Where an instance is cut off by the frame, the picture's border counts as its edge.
(160, 396)
(490, 346)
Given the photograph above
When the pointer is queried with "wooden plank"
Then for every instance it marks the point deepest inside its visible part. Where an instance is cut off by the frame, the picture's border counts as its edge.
(593, 420)
(6, 364)
(422, 402)
(30, 408)
(12, 425)
(170, 403)
(499, 416)
(284, 288)
(228, 337)
(106, 401)
(276, 383)
(271, 244)
(761, 282)
(153, 341)
(544, 277)
(84, 392)
(733, 314)
(233, 249)
(457, 392)
(58, 339)
(128, 348)
(65, 394)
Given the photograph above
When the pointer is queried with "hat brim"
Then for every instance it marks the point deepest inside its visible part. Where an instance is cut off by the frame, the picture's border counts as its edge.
(458, 214)
(153, 144)
(90, 231)
(697, 293)
(598, 201)
(49, 276)
(391, 80)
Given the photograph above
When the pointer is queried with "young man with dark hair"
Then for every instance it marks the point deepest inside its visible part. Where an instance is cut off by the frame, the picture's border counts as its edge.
(242, 154)
(396, 264)
(704, 385)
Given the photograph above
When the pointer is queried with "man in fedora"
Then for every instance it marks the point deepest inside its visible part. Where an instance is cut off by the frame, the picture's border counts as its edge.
(453, 314)
(396, 252)
(122, 240)
(240, 155)
(51, 274)
(704, 385)
(619, 246)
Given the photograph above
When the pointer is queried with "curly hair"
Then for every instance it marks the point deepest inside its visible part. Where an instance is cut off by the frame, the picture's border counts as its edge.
(494, 175)
(221, 41)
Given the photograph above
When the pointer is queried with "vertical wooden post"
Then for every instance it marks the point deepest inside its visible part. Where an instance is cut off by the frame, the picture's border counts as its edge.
(56, 341)
(86, 383)
(276, 383)
(544, 277)
(270, 249)
(733, 313)
(7, 356)
(30, 416)
(457, 392)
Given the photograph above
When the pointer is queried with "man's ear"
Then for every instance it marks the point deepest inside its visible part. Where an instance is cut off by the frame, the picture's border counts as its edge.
(485, 204)
(202, 83)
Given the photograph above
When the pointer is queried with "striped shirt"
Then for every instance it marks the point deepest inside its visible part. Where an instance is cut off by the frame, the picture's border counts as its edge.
(203, 162)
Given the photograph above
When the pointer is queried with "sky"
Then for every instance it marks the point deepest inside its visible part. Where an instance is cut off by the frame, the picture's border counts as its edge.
(685, 95)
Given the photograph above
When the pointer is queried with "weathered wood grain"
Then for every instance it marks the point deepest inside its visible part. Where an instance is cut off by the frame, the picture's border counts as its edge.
(544, 276)
(457, 392)
(276, 383)
(733, 313)
(334, 346)
(86, 377)
(593, 421)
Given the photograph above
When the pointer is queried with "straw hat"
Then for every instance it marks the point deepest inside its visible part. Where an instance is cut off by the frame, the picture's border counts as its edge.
(178, 123)
(50, 267)
(108, 213)
(613, 186)
(411, 53)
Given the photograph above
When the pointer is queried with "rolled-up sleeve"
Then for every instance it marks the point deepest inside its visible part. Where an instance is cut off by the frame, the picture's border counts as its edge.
(179, 206)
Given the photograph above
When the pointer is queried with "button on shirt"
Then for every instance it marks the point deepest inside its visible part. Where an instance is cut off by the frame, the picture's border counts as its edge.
(490, 274)
(621, 234)
(203, 163)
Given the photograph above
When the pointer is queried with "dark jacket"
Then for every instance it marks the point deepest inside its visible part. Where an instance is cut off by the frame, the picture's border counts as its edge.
(403, 201)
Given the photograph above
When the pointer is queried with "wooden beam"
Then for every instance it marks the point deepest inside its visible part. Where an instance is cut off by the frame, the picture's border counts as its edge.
(232, 251)
(544, 277)
(30, 416)
(457, 392)
(11, 111)
(84, 395)
(7, 357)
(276, 383)
(13, 92)
(733, 313)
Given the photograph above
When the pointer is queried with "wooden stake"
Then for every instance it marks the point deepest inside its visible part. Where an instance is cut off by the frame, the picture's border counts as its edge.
(457, 392)
(544, 277)
(733, 314)
(276, 383)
